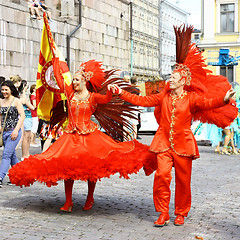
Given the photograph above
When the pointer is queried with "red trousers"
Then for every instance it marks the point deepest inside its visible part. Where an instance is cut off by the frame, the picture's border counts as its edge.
(162, 180)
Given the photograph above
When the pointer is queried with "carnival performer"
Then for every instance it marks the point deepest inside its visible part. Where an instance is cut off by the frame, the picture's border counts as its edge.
(83, 152)
(186, 96)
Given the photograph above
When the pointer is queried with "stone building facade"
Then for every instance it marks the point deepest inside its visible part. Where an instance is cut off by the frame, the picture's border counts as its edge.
(145, 39)
(103, 35)
(170, 15)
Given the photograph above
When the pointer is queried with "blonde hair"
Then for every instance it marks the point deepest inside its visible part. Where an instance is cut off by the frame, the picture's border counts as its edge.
(126, 78)
(15, 78)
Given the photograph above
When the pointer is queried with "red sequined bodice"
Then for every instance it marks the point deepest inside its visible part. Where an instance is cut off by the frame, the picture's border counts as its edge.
(79, 116)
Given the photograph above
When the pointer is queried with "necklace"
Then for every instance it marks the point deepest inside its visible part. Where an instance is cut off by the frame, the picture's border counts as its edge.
(180, 96)
(76, 96)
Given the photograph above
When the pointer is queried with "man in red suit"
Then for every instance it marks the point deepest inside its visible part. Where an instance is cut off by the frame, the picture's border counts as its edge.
(174, 142)
(191, 93)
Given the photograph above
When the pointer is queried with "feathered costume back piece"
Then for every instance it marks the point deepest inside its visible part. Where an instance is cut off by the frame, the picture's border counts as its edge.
(111, 116)
(191, 66)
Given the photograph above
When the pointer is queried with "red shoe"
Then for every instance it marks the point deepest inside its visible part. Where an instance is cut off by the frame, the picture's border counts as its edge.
(67, 207)
(179, 221)
(162, 220)
(88, 205)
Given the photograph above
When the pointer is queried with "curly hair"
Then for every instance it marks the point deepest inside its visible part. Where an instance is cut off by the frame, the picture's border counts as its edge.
(13, 89)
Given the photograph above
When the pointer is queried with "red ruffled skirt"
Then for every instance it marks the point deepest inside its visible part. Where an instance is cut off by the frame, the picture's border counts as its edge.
(81, 157)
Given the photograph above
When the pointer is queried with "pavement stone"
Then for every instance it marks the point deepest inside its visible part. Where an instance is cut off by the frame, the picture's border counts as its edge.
(124, 209)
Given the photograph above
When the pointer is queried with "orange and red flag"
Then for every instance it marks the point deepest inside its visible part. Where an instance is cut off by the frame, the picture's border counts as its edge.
(48, 92)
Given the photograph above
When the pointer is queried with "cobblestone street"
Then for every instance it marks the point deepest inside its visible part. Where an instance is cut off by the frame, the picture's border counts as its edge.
(124, 209)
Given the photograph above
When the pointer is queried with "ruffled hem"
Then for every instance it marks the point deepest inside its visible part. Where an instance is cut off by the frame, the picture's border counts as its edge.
(80, 167)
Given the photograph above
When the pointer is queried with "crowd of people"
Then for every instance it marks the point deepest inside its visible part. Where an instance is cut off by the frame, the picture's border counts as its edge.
(19, 121)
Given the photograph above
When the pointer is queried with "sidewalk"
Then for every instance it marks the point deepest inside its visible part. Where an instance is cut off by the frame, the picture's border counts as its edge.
(124, 209)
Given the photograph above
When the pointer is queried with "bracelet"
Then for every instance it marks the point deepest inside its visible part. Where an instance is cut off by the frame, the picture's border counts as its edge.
(120, 94)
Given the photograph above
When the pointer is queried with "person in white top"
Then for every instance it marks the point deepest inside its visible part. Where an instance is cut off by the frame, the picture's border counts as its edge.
(33, 8)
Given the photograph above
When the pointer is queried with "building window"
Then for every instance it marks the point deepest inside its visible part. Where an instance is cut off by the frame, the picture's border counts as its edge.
(227, 72)
(196, 36)
(227, 17)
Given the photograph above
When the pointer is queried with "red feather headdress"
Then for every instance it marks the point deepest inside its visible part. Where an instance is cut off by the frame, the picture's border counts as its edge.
(191, 66)
(189, 61)
(93, 72)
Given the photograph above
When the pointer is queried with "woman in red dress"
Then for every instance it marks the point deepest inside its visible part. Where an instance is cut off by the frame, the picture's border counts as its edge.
(83, 152)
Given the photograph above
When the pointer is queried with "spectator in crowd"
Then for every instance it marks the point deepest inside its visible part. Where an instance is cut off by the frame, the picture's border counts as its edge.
(17, 80)
(234, 131)
(33, 8)
(227, 137)
(44, 8)
(27, 126)
(2, 79)
(12, 117)
(126, 79)
(34, 115)
(237, 133)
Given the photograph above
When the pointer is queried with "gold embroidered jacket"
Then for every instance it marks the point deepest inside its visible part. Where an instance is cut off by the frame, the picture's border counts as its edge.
(174, 120)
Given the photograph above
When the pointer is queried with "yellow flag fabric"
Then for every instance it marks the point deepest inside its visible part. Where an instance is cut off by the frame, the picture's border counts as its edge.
(47, 91)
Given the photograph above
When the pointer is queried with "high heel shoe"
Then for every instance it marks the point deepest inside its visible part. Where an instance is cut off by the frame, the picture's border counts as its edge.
(235, 152)
(67, 207)
(229, 150)
(88, 205)
(217, 151)
(225, 152)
